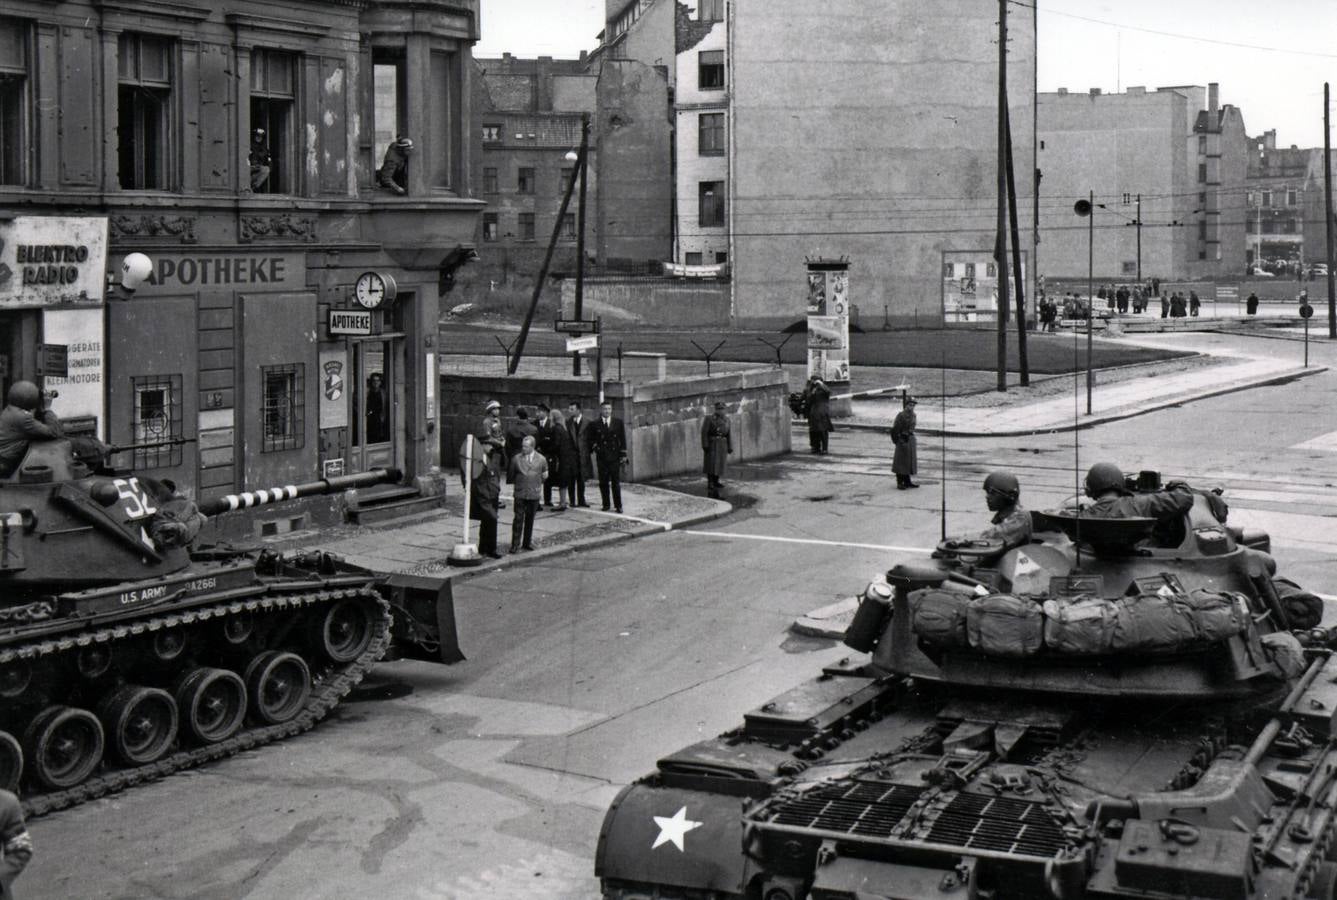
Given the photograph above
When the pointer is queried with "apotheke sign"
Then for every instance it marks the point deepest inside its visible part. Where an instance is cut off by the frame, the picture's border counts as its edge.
(350, 321)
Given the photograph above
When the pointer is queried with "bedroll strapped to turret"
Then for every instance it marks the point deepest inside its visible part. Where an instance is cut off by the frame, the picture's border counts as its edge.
(1004, 625)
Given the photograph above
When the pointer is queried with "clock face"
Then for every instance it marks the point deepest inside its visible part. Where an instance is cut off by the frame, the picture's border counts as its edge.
(370, 290)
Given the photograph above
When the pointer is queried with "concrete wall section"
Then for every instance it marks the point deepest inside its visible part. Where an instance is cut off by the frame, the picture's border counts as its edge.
(660, 302)
(663, 418)
(871, 136)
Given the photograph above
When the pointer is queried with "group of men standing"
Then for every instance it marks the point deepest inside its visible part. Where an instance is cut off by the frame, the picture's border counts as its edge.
(552, 453)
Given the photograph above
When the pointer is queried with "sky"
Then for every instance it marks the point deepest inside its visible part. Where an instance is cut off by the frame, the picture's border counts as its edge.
(1271, 59)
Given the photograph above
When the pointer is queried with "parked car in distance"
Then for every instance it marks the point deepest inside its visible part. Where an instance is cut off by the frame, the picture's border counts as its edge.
(1255, 272)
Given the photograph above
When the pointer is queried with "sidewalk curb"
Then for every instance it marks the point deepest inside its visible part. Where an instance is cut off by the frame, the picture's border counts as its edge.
(595, 542)
(1113, 416)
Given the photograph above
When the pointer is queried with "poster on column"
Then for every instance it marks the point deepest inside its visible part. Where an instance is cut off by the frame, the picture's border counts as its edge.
(81, 391)
(829, 320)
(333, 387)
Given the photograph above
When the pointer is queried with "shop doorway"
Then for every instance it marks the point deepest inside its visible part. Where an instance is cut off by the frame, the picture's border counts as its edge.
(19, 336)
(378, 394)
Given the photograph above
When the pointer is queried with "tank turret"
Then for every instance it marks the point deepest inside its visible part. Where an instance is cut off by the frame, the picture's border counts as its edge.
(1134, 707)
(127, 652)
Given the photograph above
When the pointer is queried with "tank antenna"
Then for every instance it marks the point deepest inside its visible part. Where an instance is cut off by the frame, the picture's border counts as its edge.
(942, 506)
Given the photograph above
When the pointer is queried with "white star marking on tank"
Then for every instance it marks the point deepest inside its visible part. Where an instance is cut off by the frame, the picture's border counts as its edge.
(674, 828)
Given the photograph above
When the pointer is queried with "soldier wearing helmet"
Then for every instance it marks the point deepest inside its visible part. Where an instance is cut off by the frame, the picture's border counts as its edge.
(1011, 522)
(24, 419)
(1106, 486)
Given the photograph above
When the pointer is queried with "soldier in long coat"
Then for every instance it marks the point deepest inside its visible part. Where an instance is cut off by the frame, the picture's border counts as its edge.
(716, 445)
(819, 414)
(905, 459)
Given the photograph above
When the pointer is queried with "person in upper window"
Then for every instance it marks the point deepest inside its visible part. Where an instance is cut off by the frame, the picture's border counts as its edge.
(393, 173)
(260, 159)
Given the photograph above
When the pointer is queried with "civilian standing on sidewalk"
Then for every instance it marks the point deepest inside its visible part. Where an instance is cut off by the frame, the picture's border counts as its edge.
(716, 445)
(819, 414)
(905, 460)
(608, 441)
(528, 471)
(547, 445)
(577, 427)
(565, 460)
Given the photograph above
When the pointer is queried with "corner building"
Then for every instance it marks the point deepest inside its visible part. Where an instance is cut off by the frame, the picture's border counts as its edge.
(248, 337)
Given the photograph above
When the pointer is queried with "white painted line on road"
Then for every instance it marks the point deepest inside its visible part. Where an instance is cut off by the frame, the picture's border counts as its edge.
(789, 540)
(1327, 442)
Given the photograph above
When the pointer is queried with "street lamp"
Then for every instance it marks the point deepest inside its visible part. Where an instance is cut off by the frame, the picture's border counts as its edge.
(1087, 209)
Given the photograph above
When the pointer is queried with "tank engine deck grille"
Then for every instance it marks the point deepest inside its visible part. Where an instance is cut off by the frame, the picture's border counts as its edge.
(851, 807)
(997, 823)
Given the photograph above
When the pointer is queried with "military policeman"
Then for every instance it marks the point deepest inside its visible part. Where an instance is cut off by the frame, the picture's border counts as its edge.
(1011, 522)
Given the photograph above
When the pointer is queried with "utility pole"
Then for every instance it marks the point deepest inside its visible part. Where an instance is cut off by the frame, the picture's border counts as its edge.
(1139, 239)
(582, 167)
(1000, 241)
(1327, 207)
(1018, 282)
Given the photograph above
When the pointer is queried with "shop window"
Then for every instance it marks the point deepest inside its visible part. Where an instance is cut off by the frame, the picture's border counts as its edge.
(389, 102)
(710, 10)
(13, 100)
(524, 182)
(490, 180)
(569, 226)
(272, 100)
(721, 257)
(710, 70)
(284, 407)
(491, 132)
(490, 227)
(710, 134)
(144, 95)
(564, 184)
(711, 194)
(526, 226)
(693, 258)
(157, 419)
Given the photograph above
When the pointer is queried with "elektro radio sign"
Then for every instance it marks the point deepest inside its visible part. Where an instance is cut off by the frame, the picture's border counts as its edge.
(350, 321)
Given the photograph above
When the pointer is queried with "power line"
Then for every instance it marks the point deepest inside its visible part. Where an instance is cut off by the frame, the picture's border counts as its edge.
(1290, 51)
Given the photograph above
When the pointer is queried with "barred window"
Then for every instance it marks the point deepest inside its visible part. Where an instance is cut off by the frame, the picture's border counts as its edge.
(284, 407)
(157, 419)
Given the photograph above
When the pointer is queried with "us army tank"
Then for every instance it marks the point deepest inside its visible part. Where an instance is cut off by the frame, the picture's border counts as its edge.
(128, 653)
(1116, 709)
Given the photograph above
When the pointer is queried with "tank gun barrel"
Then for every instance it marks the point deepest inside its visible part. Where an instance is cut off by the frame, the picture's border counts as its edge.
(151, 445)
(260, 497)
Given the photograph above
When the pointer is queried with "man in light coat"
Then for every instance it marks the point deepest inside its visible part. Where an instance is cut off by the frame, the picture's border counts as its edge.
(527, 472)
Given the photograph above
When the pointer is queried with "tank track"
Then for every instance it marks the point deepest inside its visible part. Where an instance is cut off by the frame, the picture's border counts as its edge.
(325, 693)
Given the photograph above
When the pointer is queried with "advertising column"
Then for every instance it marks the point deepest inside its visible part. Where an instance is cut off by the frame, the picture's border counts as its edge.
(829, 322)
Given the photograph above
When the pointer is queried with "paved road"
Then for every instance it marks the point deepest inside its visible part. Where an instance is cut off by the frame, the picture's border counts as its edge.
(489, 779)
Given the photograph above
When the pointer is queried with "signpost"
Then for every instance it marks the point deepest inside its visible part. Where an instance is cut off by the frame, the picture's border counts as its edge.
(1305, 312)
(576, 326)
(585, 342)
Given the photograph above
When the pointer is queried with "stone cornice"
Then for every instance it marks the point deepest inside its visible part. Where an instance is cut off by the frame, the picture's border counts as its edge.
(182, 12)
(274, 24)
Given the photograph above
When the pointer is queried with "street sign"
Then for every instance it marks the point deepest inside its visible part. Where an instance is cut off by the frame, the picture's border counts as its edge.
(350, 321)
(1305, 312)
(54, 360)
(576, 326)
(588, 342)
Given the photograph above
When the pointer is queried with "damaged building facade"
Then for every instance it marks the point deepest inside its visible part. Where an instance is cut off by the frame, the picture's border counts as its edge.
(287, 329)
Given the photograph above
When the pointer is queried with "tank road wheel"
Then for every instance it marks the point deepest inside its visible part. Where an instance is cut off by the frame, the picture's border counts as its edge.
(344, 632)
(1323, 886)
(169, 644)
(278, 685)
(237, 629)
(211, 704)
(11, 761)
(140, 723)
(93, 661)
(15, 678)
(63, 746)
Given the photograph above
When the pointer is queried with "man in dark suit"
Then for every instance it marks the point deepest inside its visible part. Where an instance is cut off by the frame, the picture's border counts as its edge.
(547, 445)
(579, 429)
(608, 441)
